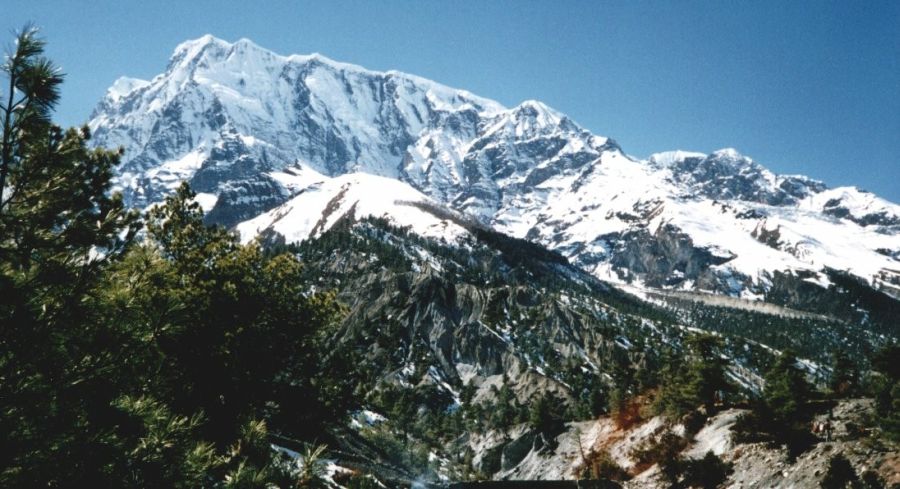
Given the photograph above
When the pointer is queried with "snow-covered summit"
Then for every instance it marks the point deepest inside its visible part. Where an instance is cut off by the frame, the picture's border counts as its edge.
(124, 86)
(670, 158)
(332, 116)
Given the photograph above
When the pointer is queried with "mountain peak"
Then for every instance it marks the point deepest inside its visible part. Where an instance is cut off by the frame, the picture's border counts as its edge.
(124, 86)
(192, 47)
(537, 105)
(728, 153)
(670, 158)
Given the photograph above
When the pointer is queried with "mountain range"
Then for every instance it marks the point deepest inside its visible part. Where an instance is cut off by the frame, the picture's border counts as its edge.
(488, 256)
(286, 145)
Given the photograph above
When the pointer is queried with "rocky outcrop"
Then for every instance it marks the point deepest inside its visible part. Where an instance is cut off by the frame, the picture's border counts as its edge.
(729, 175)
(666, 257)
(753, 464)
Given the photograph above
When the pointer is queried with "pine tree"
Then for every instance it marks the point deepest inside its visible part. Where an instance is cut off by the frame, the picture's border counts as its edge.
(240, 334)
(783, 411)
(844, 375)
(702, 382)
(139, 365)
(786, 390)
(546, 415)
(33, 92)
(505, 406)
(707, 381)
(60, 228)
(886, 389)
(165, 451)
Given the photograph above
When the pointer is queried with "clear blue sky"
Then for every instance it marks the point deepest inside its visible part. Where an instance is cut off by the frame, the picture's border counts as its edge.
(807, 87)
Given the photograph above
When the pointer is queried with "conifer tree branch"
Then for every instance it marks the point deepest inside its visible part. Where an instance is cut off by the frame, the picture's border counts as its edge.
(6, 153)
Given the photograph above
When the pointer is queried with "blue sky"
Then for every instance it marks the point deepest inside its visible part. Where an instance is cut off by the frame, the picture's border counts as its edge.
(808, 87)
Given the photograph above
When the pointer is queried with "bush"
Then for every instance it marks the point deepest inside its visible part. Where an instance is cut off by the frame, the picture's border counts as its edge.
(693, 422)
(840, 472)
(662, 450)
(708, 472)
(601, 465)
(750, 428)
(871, 480)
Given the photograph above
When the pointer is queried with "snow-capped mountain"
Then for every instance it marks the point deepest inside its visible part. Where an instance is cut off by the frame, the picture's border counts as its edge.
(288, 144)
(224, 115)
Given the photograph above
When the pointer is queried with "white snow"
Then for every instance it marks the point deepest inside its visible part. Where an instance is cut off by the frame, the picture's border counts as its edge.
(715, 436)
(124, 86)
(172, 173)
(320, 205)
(669, 158)
(206, 200)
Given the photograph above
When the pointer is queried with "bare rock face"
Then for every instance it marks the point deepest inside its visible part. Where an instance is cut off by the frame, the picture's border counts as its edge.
(729, 175)
(239, 200)
(666, 257)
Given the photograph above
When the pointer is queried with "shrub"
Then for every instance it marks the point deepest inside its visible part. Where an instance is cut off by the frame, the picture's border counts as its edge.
(840, 472)
(600, 465)
(662, 450)
(708, 472)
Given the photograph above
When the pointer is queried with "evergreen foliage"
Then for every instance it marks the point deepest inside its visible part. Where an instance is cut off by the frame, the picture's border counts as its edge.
(357, 481)
(592, 395)
(33, 92)
(885, 387)
(844, 380)
(663, 450)
(708, 472)
(786, 390)
(701, 381)
(811, 337)
(602, 466)
(546, 415)
(150, 364)
(175, 360)
(781, 415)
